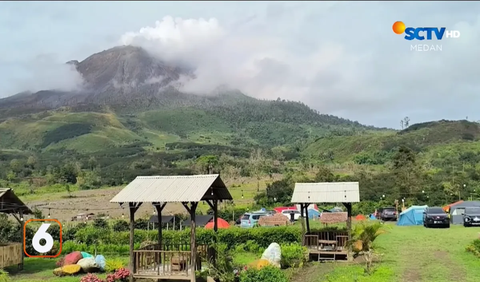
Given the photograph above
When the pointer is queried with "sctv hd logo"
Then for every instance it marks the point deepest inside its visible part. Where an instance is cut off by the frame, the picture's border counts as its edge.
(424, 33)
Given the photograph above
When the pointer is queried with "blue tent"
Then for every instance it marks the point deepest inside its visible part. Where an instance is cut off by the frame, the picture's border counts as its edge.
(313, 214)
(411, 216)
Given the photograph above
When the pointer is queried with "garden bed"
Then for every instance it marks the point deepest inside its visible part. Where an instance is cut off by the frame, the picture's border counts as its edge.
(10, 254)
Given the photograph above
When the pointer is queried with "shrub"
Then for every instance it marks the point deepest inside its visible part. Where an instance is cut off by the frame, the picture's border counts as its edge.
(113, 265)
(264, 274)
(474, 247)
(293, 255)
(121, 275)
(4, 276)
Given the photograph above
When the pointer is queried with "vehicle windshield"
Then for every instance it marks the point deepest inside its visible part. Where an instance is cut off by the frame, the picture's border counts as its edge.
(473, 210)
(245, 217)
(435, 210)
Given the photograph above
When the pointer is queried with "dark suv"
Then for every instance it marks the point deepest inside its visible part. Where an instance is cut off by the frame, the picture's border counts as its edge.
(471, 217)
(435, 216)
(387, 214)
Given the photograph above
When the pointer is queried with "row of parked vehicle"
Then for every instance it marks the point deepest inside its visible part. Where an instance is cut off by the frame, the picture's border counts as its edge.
(435, 216)
(249, 220)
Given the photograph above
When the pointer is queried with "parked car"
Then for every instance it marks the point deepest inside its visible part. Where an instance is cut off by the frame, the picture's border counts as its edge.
(387, 214)
(435, 216)
(287, 213)
(250, 220)
(471, 217)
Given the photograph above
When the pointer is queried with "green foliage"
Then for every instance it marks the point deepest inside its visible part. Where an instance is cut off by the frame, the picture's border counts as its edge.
(265, 274)
(113, 265)
(121, 225)
(363, 237)
(474, 247)
(66, 131)
(293, 255)
(4, 277)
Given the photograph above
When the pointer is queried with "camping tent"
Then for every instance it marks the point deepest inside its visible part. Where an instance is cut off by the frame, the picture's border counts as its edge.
(312, 214)
(447, 207)
(411, 216)
(457, 210)
(221, 223)
(360, 217)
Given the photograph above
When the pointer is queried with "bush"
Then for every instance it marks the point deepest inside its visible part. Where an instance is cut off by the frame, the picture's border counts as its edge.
(264, 274)
(4, 276)
(293, 255)
(474, 247)
(113, 265)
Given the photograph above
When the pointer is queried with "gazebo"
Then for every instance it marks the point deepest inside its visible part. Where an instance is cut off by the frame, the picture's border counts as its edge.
(160, 261)
(327, 244)
(10, 204)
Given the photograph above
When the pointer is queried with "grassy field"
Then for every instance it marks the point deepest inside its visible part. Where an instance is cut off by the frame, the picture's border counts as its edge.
(409, 254)
(406, 254)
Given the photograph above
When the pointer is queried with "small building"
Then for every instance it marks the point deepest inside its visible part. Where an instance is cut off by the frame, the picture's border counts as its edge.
(171, 261)
(327, 244)
(10, 204)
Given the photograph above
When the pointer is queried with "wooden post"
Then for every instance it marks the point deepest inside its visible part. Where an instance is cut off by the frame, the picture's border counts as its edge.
(215, 215)
(133, 207)
(302, 223)
(159, 207)
(349, 228)
(306, 217)
(193, 246)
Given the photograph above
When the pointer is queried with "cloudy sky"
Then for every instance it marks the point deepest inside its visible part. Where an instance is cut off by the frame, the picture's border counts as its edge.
(339, 58)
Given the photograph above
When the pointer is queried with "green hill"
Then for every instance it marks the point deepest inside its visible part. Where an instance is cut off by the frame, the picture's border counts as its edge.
(431, 140)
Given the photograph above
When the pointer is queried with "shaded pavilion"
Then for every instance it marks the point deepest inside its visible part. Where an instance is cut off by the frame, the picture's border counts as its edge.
(326, 244)
(155, 262)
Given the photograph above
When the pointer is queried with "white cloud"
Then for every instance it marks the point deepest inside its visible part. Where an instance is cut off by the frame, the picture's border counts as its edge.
(44, 72)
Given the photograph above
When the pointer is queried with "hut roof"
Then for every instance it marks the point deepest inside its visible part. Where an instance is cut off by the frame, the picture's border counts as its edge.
(11, 204)
(169, 189)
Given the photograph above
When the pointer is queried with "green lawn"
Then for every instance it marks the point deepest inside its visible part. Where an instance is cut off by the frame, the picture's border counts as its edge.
(409, 254)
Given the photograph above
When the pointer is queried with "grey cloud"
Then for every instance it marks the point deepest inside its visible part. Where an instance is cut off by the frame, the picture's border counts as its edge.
(340, 58)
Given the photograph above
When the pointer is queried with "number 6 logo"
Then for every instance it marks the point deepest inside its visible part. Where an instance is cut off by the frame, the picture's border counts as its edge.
(42, 234)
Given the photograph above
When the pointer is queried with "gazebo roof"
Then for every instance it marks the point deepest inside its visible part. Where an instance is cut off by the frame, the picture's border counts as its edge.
(170, 189)
(11, 204)
(326, 192)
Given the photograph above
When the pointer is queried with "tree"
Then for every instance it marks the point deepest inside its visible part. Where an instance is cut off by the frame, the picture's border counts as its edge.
(257, 161)
(408, 174)
(207, 163)
(280, 191)
(324, 174)
(31, 162)
(406, 122)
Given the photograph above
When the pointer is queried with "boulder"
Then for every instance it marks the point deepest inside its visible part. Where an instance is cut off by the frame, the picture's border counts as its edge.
(71, 269)
(101, 262)
(273, 254)
(88, 264)
(72, 258)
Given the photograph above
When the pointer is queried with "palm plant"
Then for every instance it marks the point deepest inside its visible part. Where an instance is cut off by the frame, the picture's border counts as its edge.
(363, 237)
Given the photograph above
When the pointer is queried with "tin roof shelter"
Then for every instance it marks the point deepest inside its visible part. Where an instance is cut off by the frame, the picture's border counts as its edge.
(346, 193)
(160, 190)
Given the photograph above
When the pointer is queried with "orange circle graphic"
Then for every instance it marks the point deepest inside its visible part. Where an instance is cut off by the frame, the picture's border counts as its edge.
(399, 27)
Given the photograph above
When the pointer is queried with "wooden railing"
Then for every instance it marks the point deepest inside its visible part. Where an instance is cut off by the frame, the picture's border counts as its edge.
(162, 263)
(203, 251)
(317, 240)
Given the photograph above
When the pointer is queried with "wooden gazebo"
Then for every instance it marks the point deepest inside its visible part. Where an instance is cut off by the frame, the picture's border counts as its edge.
(327, 244)
(10, 204)
(166, 261)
